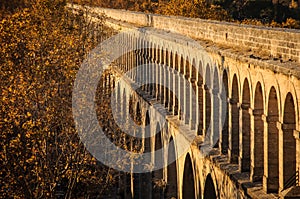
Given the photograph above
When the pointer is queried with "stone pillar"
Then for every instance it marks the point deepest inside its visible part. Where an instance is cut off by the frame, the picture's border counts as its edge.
(215, 116)
(193, 105)
(233, 149)
(297, 137)
(271, 147)
(280, 126)
(175, 92)
(200, 106)
(288, 166)
(245, 124)
(257, 145)
(170, 86)
(207, 113)
(181, 96)
(162, 78)
(166, 80)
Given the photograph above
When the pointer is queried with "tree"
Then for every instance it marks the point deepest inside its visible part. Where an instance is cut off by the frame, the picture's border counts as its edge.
(40, 152)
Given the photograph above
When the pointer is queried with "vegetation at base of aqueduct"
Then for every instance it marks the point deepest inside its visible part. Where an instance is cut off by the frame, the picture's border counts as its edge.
(274, 13)
(42, 46)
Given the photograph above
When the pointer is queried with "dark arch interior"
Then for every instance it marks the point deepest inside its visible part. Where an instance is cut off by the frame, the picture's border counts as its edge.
(147, 134)
(172, 171)
(146, 184)
(273, 155)
(216, 110)
(245, 161)
(207, 88)
(209, 189)
(200, 98)
(193, 100)
(235, 117)
(138, 114)
(188, 191)
(157, 175)
(289, 142)
(224, 96)
(258, 134)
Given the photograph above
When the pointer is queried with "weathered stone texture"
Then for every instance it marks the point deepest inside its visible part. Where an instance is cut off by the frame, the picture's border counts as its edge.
(276, 42)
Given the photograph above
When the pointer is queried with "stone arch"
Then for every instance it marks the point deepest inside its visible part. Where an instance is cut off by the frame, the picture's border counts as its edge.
(289, 141)
(172, 190)
(225, 94)
(272, 181)
(209, 188)
(246, 128)
(235, 117)
(258, 155)
(188, 184)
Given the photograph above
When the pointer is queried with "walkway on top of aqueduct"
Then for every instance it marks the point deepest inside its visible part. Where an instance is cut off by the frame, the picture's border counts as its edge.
(252, 78)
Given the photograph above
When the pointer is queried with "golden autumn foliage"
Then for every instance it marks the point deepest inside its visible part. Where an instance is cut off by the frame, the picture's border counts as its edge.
(195, 8)
(41, 156)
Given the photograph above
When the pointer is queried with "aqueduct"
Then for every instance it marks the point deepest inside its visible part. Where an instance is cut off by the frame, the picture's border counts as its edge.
(251, 79)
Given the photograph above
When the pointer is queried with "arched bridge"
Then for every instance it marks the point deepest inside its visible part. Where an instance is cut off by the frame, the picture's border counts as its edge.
(234, 89)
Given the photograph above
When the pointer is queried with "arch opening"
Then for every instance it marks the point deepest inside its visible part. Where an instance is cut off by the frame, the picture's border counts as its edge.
(246, 128)
(157, 175)
(209, 189)
(272, 181)
(188, 189)
(289, 142)
(207, 88)
(216, 110)
(200, 99)
(258, 155)
(171, 190)
(225, 134)
(235, 117)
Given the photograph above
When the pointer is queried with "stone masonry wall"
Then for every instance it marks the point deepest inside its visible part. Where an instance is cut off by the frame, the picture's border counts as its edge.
(273, 42)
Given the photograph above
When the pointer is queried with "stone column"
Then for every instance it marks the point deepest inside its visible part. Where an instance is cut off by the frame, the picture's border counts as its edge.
(271, 168)
(200, 106)
(207, 116)
(166, 82)
(233, 149)
(297, 137)
(257, 145)
(175, 92)
(245, 124)
(181, 96)
(193, 104)
(215, 117)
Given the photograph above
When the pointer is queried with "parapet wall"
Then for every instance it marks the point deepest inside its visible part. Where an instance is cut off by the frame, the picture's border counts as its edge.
(274, 42)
